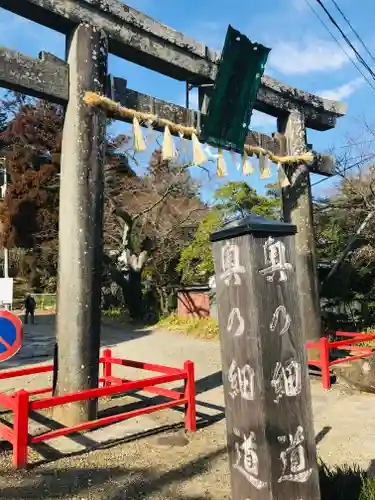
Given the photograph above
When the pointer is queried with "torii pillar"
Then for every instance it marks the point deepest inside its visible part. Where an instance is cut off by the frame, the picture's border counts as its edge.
(80, 225)
(298, 209)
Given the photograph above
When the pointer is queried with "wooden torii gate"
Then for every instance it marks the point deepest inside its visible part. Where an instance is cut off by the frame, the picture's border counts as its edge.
(93, 28)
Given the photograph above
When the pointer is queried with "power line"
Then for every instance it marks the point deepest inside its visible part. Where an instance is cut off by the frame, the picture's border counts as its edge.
(339, 44)
(354, 31)
(357, 54)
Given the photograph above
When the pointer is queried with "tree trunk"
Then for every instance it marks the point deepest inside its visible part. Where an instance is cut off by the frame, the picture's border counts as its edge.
(166, 301)
(81, 224)
(135, 296)
(161, 299)
(298, 209)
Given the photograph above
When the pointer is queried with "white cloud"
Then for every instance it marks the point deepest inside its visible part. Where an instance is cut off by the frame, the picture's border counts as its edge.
(298, 58)
(300, 5)
(262, 121)
(343, 91)
(210, 33)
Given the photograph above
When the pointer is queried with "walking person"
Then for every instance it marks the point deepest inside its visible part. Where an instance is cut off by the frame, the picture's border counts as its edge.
(30, 306)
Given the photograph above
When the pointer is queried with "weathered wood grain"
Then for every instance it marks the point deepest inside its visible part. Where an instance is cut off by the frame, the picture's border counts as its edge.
(48, 78)
(264, 349)
(81, 223)
(143, 102)
(143, 40)
(324, 164)
(38, 78)
(298, 209)
(320, 114)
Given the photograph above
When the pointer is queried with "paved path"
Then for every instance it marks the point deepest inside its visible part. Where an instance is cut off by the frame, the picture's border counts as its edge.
(344, 422)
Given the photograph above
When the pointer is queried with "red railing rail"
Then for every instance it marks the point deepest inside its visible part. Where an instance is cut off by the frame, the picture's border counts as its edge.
(324, 346)
(346, 334)
(23, 372)
(7, 402)
(73, 397)
(21, 405)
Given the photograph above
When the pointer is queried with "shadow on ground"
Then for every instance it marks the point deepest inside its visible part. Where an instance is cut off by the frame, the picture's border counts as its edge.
(202, 385)
(322, 434)
(51, 454)
(118, 483)
(105, 483)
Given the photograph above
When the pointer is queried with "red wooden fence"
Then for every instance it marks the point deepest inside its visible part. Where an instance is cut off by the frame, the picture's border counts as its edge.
(21, 405)
(324, 346)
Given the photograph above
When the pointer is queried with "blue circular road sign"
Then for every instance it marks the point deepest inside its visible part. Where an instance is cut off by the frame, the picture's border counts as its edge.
(10, 334)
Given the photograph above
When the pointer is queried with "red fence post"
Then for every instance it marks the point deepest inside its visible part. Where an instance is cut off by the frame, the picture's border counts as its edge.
(20, 429)
(190, 410)
(107, 367)
(324, 359)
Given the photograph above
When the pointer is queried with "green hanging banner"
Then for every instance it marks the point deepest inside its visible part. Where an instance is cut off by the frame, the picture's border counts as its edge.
(237, 83)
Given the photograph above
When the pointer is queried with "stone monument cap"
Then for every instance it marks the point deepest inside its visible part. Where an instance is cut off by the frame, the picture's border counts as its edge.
(253, 224)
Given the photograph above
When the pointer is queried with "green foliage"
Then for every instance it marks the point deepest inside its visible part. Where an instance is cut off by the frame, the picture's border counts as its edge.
(345, 483)
(231, 201)
(368, 343)
(238, 199)
(340, 483)
(196, 261)
(45, 301)
(367, 490)
(206, 328)
(117, 314)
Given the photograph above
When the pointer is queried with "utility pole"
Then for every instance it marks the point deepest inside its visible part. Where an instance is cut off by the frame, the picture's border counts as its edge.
(5, 186)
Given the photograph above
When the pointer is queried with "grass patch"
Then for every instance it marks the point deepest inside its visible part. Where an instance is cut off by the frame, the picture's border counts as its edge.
(370, 343)
(116, 314)
(206, 328)
(365, 343)
(345, 483)
(44, 301)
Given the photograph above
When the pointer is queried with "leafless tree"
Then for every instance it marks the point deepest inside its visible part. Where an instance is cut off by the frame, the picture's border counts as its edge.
(147, 221)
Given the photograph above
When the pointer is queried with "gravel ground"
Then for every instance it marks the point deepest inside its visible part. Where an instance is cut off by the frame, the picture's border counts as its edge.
(190, 467)
(138, 469)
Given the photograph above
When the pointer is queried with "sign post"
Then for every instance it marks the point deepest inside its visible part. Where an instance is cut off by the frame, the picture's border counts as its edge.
(11, 334)
(270, 431)
(6, 292)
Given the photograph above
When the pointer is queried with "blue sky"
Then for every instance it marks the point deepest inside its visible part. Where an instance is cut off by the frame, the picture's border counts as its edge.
(303, 55)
